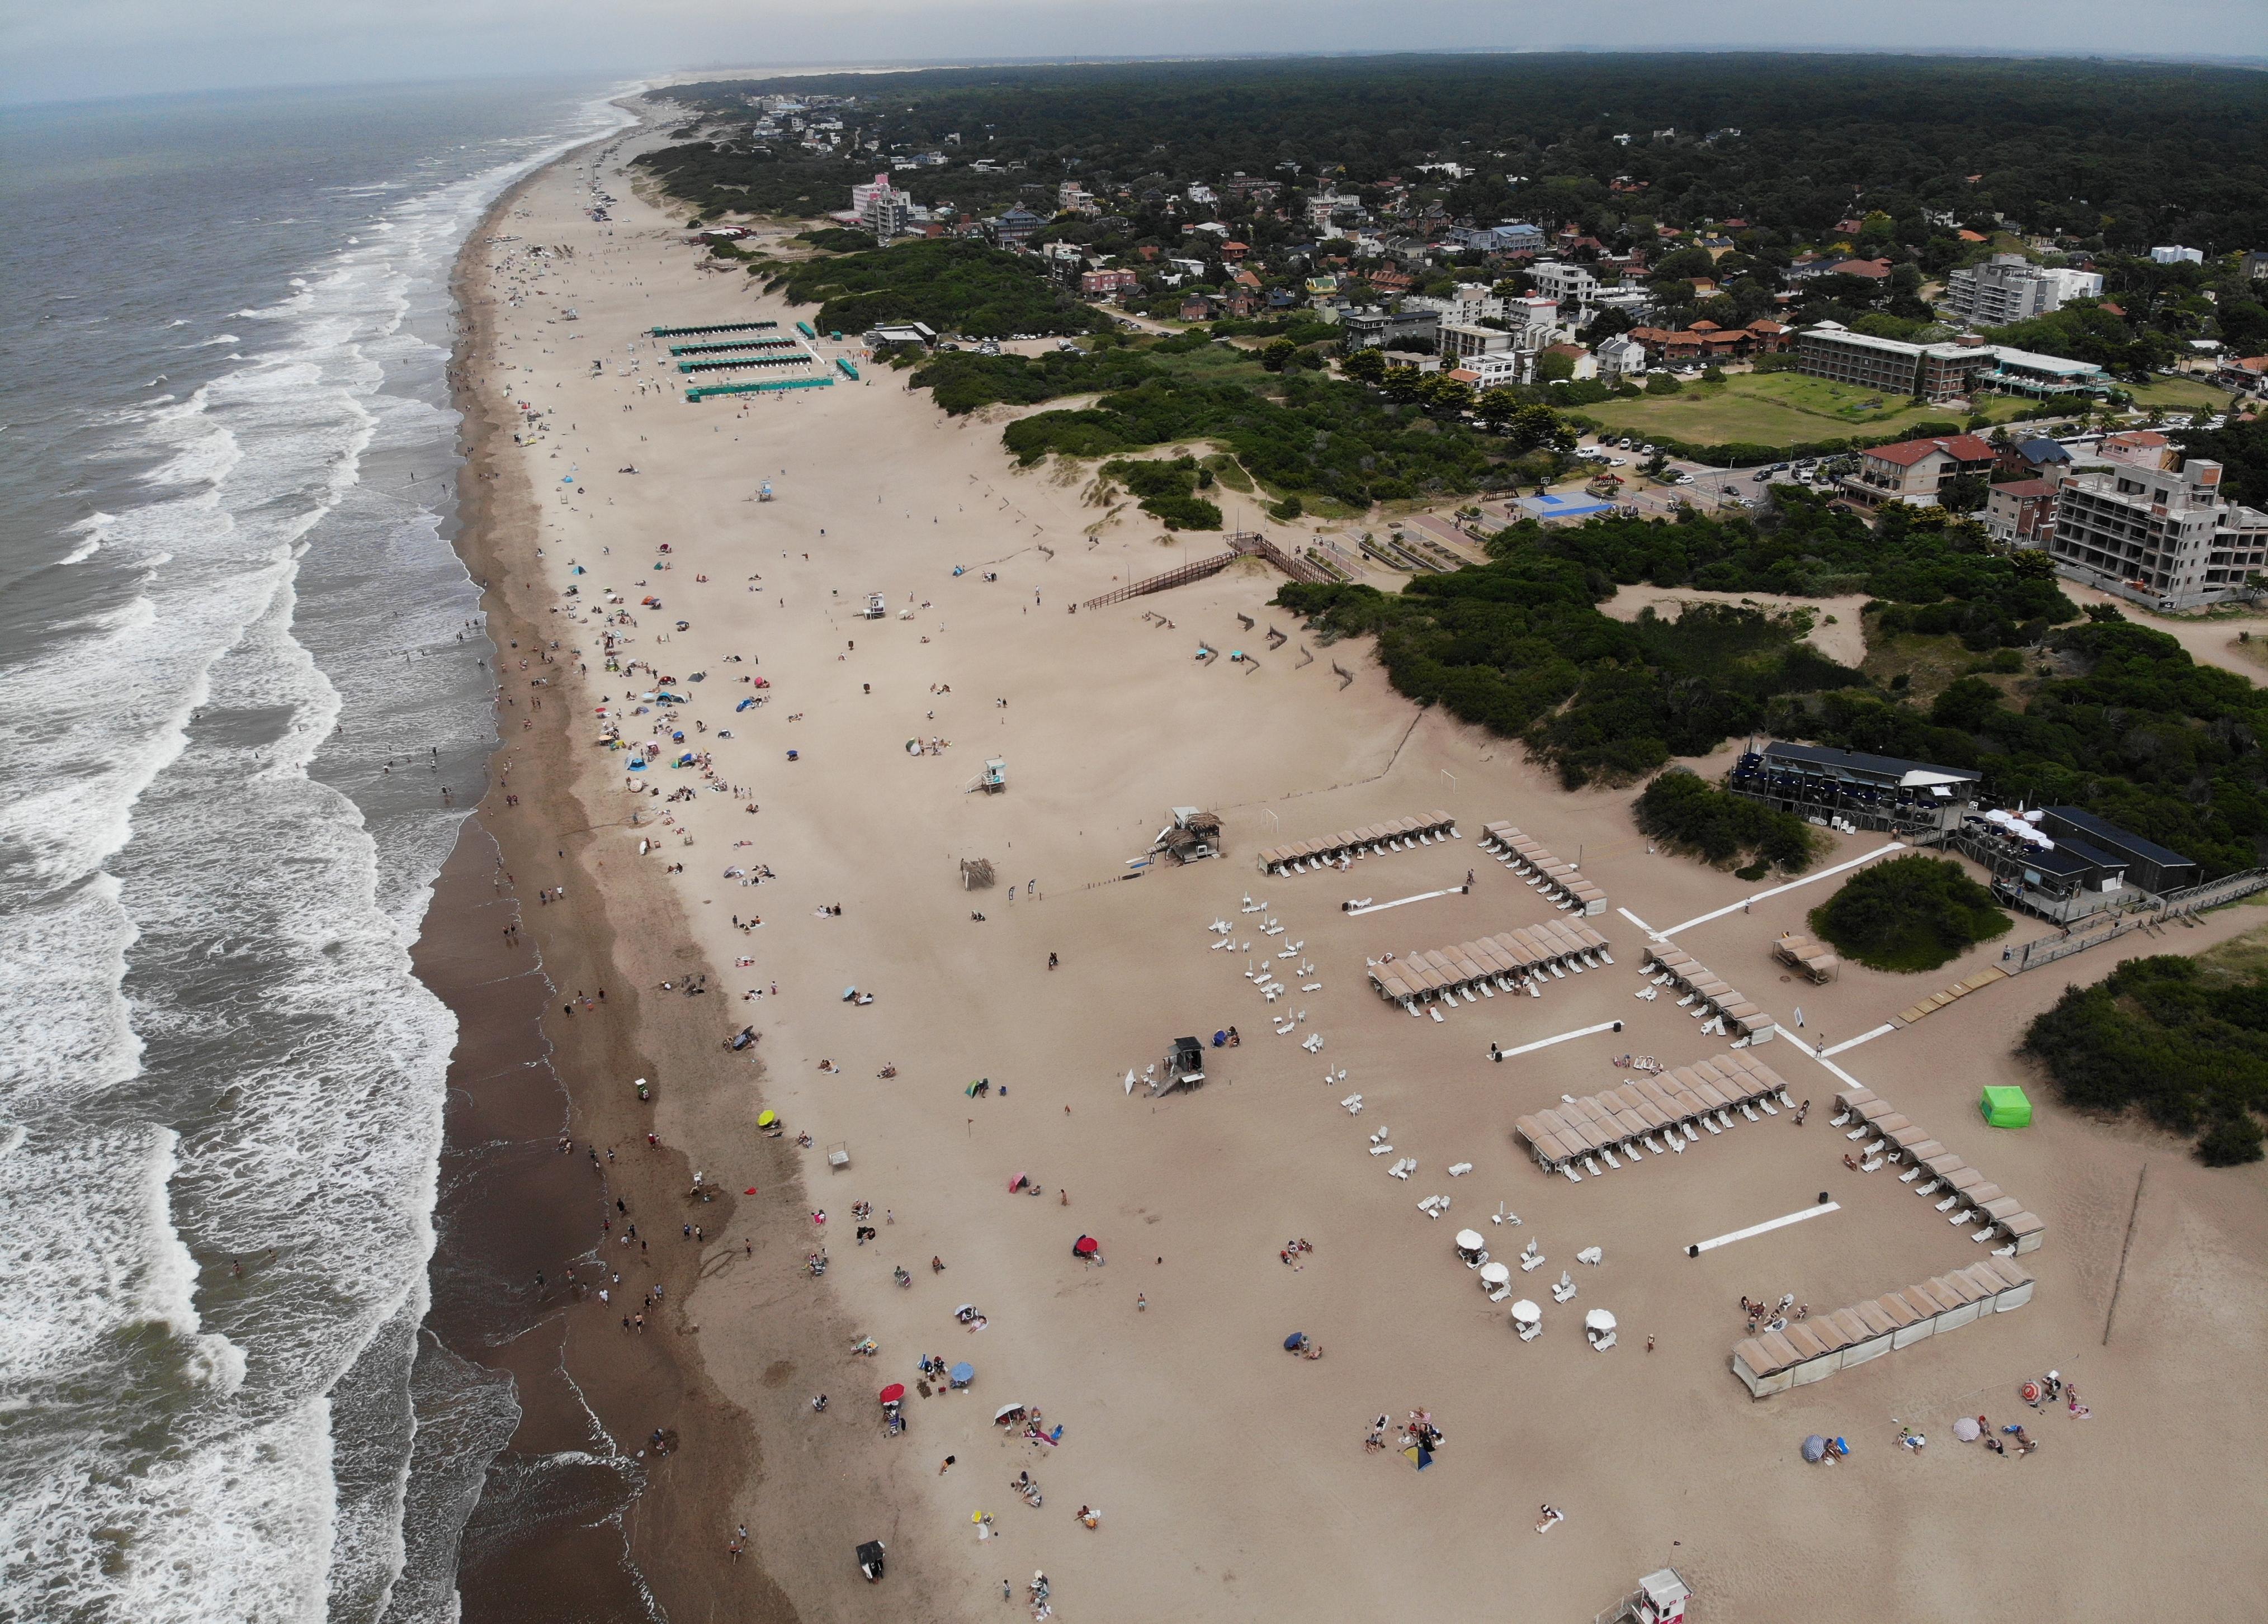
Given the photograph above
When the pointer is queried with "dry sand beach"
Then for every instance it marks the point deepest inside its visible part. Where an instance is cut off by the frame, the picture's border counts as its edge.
(1231, 1478)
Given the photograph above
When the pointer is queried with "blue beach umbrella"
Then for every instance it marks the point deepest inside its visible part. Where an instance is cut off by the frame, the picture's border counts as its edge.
(962, 1374)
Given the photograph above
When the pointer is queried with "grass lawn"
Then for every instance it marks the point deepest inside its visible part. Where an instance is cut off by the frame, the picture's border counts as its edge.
(1775, 408)
(2178, 395)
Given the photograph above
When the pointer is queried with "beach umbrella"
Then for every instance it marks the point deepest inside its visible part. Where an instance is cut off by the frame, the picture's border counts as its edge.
(1965, 1428)
(1525, 1312)
(1470, 1240)
(1598, 1319)
(892, 1393)
(1815, 1449)
(966, 1308)
(765, 1119)
(963, 1374)
(1017, 1183)
(1006, 1411)
(1086, 1247)
(1494, 1275)
(1291, 1342)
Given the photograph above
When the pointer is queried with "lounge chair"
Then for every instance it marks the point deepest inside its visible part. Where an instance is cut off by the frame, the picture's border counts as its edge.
(1603, 1343)
(1572, 1176)
(1529, 1333)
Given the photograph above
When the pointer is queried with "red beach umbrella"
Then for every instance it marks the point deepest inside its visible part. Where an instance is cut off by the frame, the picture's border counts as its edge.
(1086, 1245)
(894, 1392)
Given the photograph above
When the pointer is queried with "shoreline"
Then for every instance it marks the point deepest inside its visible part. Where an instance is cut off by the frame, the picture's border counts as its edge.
(522, 1079)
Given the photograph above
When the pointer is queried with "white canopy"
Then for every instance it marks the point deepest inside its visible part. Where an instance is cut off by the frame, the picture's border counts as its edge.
(1598, 1319)
(1495, 1274)
(1470, 1240)
(1525, 1312)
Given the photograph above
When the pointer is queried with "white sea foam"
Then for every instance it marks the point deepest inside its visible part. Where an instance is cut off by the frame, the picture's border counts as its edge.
(185, 902)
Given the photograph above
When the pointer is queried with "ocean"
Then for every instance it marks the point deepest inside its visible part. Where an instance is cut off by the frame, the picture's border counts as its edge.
(241, 662)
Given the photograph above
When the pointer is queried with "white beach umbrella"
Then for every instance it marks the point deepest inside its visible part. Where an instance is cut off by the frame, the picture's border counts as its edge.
(1525, 1312)
(1598, 1319)
(1495, 1275)
(1470, 1240)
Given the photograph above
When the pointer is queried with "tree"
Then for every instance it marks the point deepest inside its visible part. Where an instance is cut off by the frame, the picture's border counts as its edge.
(1662, 383)
(1553, 367)
(1403, 383)
(1273, 355)
(1963, 493)
(1366, 365)
(1910, 913)
(1444, 396)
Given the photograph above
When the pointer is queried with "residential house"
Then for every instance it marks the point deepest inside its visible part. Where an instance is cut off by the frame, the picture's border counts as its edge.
(1200, 307)
(1102, 284)
(1585, 363)
(2243, 374)
(2020, 513)
(2164, 537)
(1497, 369)
(1619, 357)
(1234, 252)
(1871, 270)
(1391, 281)
(1014, 228)
(1911, 471)
(2036, 459)
(2177, 255)
(2144, 449)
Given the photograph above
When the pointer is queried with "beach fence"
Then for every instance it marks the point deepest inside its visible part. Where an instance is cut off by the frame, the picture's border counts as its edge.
(1242, 544)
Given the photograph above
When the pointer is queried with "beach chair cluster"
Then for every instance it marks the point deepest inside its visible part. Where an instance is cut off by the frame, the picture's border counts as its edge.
(1394, 835)
(1797, 1351)
(1721, 1009)
(1966, 1198)
(1512, 961)
(1659, 1116)
(1533, 862)
(1806, 956)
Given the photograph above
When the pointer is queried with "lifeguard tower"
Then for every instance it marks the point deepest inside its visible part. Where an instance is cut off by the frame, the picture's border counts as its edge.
(877, 606)
(1660, 1598)
(994, 778)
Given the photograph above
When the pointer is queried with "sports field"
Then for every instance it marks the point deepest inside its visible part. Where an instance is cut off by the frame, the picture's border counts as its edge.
(2178, 395)
(1775, 409)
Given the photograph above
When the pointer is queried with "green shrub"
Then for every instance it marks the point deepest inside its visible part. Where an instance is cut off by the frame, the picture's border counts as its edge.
(2186, 1041)
(1681, 811)
(1909, 914)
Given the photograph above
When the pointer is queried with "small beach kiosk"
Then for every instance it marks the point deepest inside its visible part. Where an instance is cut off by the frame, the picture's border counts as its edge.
(2004, 1107)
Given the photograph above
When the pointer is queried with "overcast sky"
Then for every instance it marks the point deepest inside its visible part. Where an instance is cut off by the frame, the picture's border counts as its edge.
(63, 49)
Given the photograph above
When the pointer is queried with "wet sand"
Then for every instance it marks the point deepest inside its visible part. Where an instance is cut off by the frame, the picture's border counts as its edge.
(1232, 1479)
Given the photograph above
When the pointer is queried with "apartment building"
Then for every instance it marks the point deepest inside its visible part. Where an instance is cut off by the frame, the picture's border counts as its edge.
(2020, 513)
(2165, 539)
(881, 208)
(1464, 338)
(1934, 371)
(1567, 285)
(1373, 328)
(1495, 369)
(2009, 288)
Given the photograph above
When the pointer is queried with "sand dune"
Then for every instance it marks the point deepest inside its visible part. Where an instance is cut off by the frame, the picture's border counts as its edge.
(1231, 1477)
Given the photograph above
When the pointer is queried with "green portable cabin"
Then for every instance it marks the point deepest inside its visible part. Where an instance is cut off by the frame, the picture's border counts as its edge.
(2004, 1107)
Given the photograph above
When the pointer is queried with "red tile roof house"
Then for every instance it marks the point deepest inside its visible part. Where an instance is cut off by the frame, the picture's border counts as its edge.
(1103, 283)
(1231, 252)
(1873, 270)
(1911, 471)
